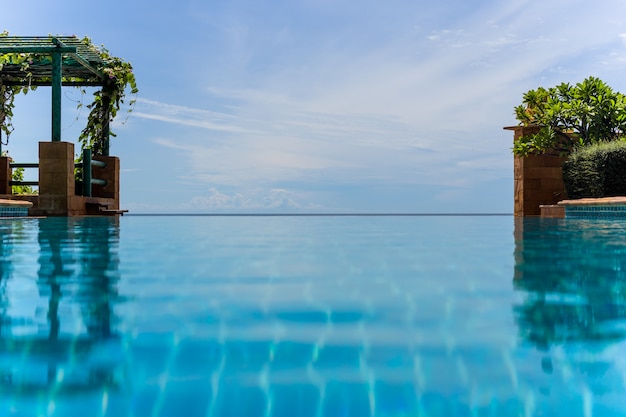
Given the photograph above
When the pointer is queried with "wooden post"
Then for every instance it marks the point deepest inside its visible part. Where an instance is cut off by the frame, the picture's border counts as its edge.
(5, 175)
(56, 96)
(106, 128)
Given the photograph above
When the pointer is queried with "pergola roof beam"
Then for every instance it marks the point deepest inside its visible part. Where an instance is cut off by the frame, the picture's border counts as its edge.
(77, 57)
(65, 83)
(80, 62)
(86, 64)
(37, 49)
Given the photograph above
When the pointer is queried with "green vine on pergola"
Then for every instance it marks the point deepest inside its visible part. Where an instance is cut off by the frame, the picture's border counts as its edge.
(27, 63)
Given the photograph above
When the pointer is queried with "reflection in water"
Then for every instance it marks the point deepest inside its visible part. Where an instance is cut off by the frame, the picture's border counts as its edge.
(7, 234)
(311, 317)
(77, 271)
(574, 276)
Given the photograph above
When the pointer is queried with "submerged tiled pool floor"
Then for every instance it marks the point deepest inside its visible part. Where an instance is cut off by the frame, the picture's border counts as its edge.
(312, 316)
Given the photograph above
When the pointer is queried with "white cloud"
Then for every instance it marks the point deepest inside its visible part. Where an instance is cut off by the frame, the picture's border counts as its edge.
(263, 200)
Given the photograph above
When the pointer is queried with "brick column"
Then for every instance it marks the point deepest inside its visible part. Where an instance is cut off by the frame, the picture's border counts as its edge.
(538, 179)
(56, 178)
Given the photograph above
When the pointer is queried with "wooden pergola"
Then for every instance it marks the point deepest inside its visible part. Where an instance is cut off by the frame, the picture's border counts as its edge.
(55, 61)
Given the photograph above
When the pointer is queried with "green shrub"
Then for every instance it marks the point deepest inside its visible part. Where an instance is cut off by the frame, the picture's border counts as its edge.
(597, 170)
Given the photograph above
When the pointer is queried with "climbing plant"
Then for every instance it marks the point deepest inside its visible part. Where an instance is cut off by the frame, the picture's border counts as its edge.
(107, 101)
(7, 97)
(7, 93)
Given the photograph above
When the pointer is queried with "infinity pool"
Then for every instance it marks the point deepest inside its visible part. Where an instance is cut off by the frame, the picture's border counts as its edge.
(312, 316)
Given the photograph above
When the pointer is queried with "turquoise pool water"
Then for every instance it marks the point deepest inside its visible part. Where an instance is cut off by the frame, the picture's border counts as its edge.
(312, 316)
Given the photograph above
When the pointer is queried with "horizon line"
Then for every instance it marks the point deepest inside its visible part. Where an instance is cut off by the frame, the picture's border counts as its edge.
(367, 214)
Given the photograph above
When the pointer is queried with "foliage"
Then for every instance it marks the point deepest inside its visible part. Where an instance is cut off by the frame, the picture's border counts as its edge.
(570, 116)
(7, 96)
(597, 170)
(118, 76)
(7, 93)
(107, 101)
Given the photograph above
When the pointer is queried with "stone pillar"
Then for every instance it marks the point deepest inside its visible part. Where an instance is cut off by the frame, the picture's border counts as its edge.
(538, 179)
(111, 174)
(56, 178)
(5, 175)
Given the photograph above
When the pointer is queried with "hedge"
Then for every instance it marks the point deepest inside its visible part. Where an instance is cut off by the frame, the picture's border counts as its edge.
(597, 170)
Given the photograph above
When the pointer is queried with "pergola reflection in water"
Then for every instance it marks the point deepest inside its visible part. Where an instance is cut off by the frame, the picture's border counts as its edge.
(60, 339)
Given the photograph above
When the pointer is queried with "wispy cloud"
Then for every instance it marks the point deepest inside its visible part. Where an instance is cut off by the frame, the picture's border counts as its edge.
(318, 94)
(187, 116)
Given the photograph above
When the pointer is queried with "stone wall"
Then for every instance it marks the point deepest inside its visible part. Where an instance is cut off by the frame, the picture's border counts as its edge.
(111, 174)
(57, 185)
(538, 179)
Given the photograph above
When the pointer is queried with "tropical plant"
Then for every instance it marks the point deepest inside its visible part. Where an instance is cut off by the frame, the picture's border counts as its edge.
(570, 116)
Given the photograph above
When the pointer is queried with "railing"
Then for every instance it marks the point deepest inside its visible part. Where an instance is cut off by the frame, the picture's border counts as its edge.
(88, 179)
(86, 165)
(24, 165)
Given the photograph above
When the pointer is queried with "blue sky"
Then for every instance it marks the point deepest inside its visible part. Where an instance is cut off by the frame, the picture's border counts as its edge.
(322, 106)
